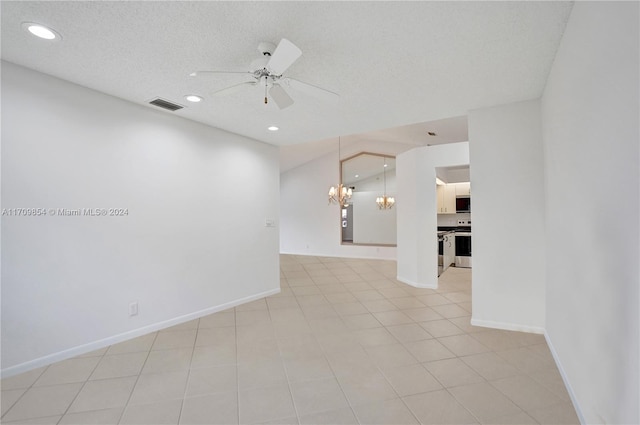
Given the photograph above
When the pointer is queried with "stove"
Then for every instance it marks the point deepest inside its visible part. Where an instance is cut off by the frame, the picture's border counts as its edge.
(463, 246)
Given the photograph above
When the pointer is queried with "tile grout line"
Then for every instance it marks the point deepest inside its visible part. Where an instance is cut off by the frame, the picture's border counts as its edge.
(25, 391)
(82, 387)
(284, 368)
(335, 377)
(186, 385)
(385, 376)
(124, 408)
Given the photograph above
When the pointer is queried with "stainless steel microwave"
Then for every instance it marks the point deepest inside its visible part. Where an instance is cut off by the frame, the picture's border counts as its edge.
(463, 204)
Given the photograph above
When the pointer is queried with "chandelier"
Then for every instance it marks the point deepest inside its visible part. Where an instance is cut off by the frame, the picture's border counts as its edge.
(340, 194)
(385, 202)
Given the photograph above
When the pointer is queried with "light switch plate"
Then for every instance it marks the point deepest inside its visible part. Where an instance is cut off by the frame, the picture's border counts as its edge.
(133, 308)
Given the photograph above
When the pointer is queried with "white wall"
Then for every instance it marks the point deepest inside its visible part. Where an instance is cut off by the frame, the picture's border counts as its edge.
(508, 216)
(308, 225)
(371, 224)
(416, 210)
(590, 128)
(376, 183)
(194, 240)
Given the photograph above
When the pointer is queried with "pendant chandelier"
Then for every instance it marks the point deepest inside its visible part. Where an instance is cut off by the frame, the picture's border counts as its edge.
(340, 194)
(385, 202)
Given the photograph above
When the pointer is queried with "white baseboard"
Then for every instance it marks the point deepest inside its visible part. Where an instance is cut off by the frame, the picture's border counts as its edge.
(567, 385)
(415, 284)
(507, 326)
(105, 342)
(342, 255)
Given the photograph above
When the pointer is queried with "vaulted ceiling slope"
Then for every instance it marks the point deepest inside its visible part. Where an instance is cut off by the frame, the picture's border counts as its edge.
(393, 63)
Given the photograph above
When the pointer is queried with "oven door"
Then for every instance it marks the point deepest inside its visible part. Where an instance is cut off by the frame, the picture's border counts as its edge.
(463, 249)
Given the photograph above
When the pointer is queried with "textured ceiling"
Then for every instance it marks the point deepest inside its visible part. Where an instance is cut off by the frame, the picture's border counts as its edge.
(393, 63)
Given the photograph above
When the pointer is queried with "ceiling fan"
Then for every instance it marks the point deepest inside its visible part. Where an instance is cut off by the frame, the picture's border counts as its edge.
(267, 71)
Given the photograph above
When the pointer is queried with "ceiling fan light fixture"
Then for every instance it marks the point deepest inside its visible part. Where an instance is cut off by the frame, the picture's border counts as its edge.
(193, 98)
(41, 31)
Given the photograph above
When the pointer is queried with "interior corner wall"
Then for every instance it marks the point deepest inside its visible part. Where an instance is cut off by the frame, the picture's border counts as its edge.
(308, 225)
(193, 241)
(417, 210)
(590, 110)
(507, 177)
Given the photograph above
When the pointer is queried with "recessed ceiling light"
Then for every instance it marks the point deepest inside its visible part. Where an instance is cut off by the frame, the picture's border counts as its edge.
(431, 133)
(273, 128)
(193, 98)
(41, 31)
(385, 165)
(357, 175)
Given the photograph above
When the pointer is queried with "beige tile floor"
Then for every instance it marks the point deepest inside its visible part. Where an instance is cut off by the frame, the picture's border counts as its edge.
(343, 343)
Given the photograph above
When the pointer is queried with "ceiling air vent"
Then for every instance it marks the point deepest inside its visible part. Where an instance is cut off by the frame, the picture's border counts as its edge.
(165, 104)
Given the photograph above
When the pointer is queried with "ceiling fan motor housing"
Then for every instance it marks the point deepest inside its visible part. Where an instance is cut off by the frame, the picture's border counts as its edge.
(259, 64)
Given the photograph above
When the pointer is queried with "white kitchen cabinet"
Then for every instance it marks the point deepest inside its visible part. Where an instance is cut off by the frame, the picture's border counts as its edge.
(446, 199)
(463, 189)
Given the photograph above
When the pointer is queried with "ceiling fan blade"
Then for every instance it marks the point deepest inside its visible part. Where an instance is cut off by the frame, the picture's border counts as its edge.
(234, 88)
(283, 57)
(200, 73)
(280, 97)
(310, 89)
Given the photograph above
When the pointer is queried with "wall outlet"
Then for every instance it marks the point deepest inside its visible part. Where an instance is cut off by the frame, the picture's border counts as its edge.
(133, 308)
(269, 222)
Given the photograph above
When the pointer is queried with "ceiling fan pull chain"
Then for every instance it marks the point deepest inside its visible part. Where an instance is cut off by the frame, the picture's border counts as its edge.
(265, 90)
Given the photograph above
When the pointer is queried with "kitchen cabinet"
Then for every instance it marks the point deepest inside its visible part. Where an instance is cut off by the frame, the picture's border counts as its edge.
(446, 194)
(463, 189)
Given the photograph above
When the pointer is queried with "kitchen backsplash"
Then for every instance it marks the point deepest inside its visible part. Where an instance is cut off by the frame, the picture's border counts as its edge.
(459, 219)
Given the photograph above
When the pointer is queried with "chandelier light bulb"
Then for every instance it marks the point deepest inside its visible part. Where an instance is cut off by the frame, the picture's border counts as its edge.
(340, 194)
(385, 202)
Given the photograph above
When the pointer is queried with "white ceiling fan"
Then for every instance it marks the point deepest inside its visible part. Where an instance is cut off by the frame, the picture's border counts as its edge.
(267, 71)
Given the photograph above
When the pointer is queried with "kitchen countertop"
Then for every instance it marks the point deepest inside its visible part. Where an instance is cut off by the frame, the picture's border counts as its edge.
(444, 232)
(458, 231)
